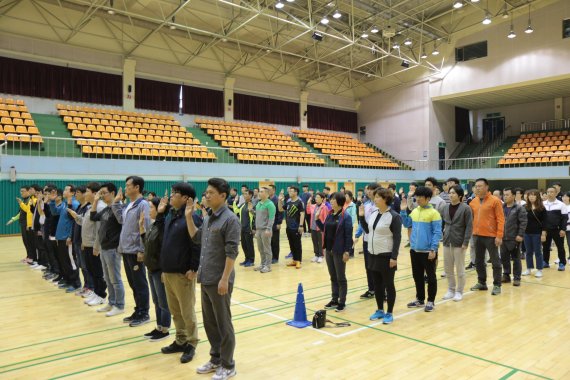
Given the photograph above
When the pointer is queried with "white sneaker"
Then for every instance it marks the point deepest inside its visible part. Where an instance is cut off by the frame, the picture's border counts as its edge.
(96, 301)
(556, 261)
(320, 259)
(105, 308)
(538, 273)
(265, 269)
(39, 267)
(315, 259)
(89, 299)
(224, 373)
(449, 295)
(34, 265)
(88, 293)
(115, 311)
(526, 273)
(458, 297)
(257, 269)
(207, 368)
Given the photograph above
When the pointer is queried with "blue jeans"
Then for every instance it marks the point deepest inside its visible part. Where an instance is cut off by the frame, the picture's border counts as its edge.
(533, 247)
(82, 263)
(111, 261)
(158, 294)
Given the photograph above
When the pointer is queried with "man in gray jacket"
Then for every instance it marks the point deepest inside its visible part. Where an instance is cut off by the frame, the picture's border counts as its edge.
(515, 226)
(131, 245)
(264, 216)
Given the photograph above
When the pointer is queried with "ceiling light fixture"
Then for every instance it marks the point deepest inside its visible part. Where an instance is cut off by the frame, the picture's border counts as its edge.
(408, 42)
(290, 1)
(423, 55)
(337, 14)
(317, 36)
(405, 64)
(458, 4)
(279, 5)
(474, 1)
(172, 26)
(325, 20)
(529, 28)
(364, 35)
(512, 33)
(435, 52)
(395, 45)
(111, 11)
(487, 20)
(374, 30)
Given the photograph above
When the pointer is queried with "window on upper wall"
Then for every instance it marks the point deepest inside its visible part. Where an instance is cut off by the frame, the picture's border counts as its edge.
(566, 28)
(469, 52)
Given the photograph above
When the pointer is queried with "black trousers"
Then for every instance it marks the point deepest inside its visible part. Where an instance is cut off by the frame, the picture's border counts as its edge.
(294, 238)
(41, 248)
(306, 226)
(510, 250)
(30, 244)
(275, 243)
(369, 277)
(247, 245)
(53, 260)
(559, 241)
(136, 276)
(383, 277)
(420, 265)
(95, 268)
(68, 264)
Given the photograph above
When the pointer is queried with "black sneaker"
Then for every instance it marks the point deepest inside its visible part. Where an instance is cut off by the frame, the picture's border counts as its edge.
(159, 336)
(416, 303)
(367, 295)
(188, 354)
(340, 307)
(130, 318)
(470, 266)
(139, 320)
(173, 348)
(331, 305)
(506, 279)
(151, 334)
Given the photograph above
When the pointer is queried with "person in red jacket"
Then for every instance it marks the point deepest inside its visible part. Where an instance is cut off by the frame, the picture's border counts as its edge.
(488, 229)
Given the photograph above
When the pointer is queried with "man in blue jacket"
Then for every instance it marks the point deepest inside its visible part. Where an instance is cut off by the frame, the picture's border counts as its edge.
(68, 265)
(131, 245)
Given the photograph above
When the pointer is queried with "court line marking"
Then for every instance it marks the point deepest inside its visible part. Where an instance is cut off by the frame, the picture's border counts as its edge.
(509, 374)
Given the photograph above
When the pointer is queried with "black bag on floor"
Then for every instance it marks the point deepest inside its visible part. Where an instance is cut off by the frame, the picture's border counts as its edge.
(320, 320)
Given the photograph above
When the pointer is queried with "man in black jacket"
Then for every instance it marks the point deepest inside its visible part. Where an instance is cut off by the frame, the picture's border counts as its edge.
(555, 227)
(179, 260)
(515, 226)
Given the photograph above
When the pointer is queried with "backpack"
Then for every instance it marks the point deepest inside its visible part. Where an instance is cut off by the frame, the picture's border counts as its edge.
(320, 320)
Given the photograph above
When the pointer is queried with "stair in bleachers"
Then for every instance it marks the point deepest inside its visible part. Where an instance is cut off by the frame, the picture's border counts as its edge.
(222, 154)
(328, 161)
(53, 126)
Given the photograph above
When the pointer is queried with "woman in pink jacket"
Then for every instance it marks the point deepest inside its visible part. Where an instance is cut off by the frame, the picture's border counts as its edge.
(316, 233)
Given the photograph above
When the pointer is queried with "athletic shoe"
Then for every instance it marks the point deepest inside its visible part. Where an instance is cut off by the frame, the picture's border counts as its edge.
(506, 279)
(265, 269)
(443, 274)
(449, 295)
(298, 265)
(224, 373)
(150, 334)
(130, 318)
(140, 320)
(378, 314)
(289, 256)
(34, 265)
(545, 265)
(243, 263)
(458, 297)
(416, 303)
(331, 305)
(188, 354)
(258, 268)
(407, 245)
(367, 295)
(388, 318)
(96, 301)
(105, 308)
(80, 291)
(561, 267)
(429, 307)
(314, 259)
(159, 336)
(479, 286)
(40, 267)
(207, 368)
(319, 259)
(62, 285)
(274, 261)
(173, 348)
(292, 263)
(88, 293)
(470, 266)
(249, 264)
(538, 274)
(516, 282)
(340, 307)
(526, 272)
(89, 299)
(557, 261)
(496, 290)
(71, 289)
(114, 311)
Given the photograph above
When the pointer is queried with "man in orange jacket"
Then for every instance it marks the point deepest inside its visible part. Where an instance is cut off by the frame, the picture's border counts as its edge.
(488, 229)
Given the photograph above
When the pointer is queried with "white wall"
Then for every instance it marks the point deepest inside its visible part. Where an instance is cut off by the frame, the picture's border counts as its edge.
(528, 57)
(441, 129)
(397, 121)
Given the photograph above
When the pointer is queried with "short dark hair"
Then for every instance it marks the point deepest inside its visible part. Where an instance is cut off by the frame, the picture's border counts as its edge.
(423, 191)
(339, 198)
(110, 186)
(385, 194)
(372, 186)
(25, 187)
(360, 190)
(71, 187)
(244, 185)
(349, 193)
(305, 186)
(152, 193)
(482, 179)
(327, 188)
(567, 194)
(392, 186)
(414, 184)
(155, 201)
(458, 190)
(432, 180)
(137, 181)
(272, 186)
(554, 184)
(93, 186)
(508, 189)
(294, 188)
(82, 189)
(59, 192)
(36, 187)
(321, 194)
(185, 189)
(233, 189)
(519, 190)
(220, 184)
(454, 180)
(250, 192)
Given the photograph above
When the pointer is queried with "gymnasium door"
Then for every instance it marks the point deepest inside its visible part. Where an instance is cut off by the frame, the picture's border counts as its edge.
(333, 186)
(349, 186)
(265, 183)
(492, 128)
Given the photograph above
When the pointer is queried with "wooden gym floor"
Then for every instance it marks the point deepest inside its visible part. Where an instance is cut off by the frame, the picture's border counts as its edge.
(521, 334)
